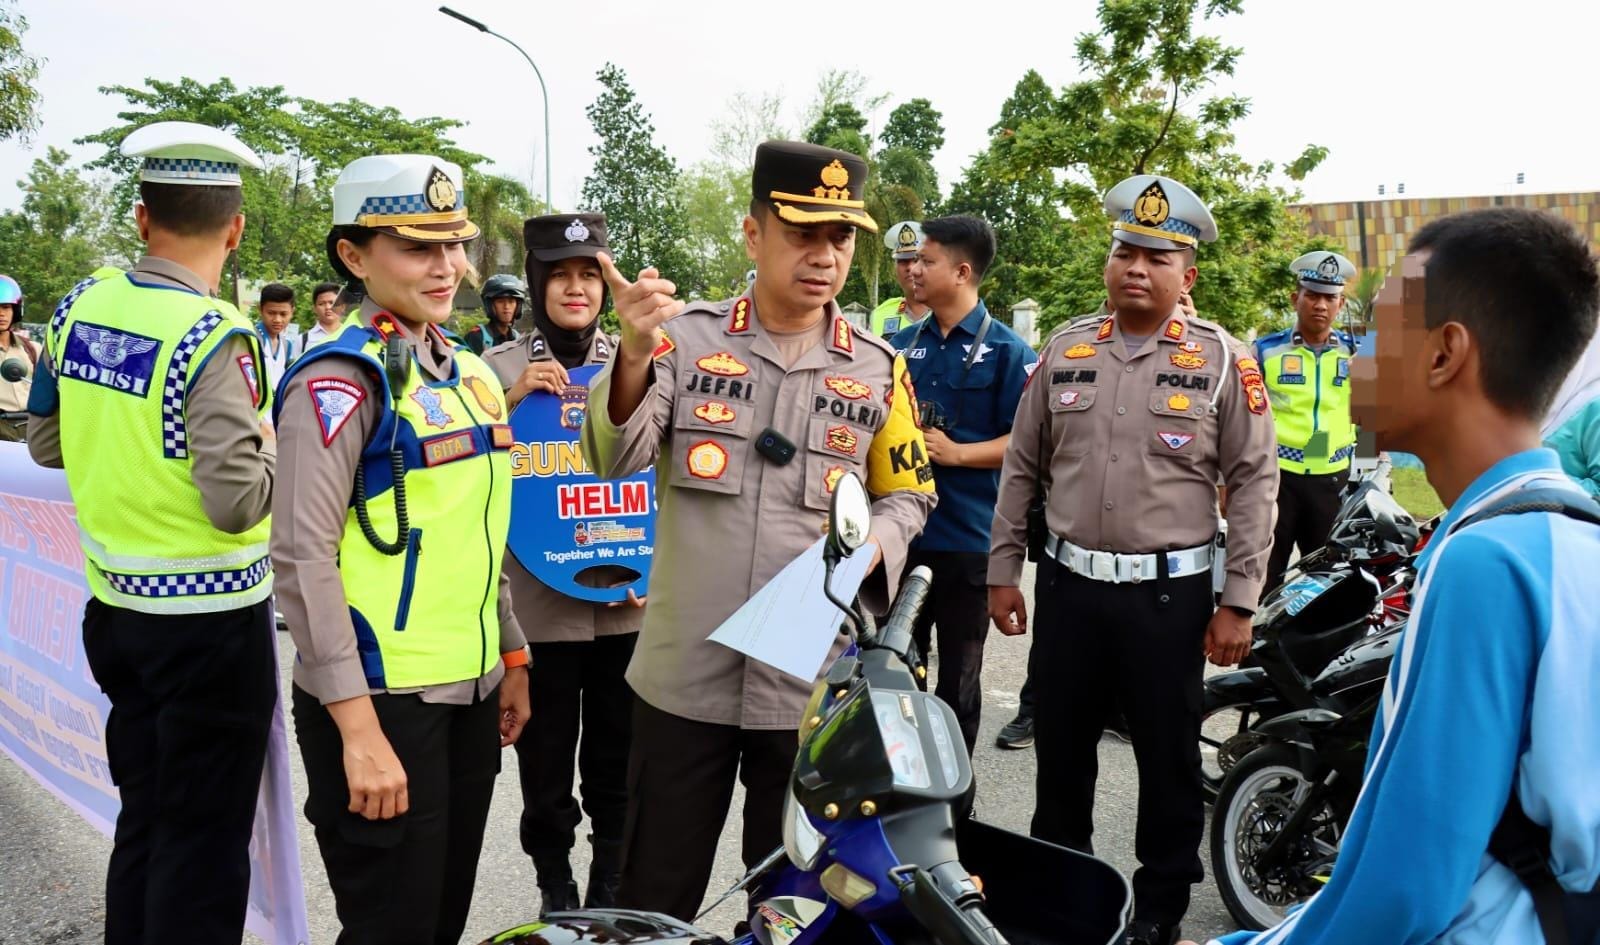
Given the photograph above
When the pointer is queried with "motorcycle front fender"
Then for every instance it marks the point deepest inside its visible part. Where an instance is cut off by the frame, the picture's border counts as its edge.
(1240, 687)
(1299, 728)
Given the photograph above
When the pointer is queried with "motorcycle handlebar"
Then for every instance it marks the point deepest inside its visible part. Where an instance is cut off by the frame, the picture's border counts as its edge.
(895, 636)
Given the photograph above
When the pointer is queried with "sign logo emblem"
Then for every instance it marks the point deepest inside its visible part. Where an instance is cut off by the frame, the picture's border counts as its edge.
(1068, 398)
(336, 400)
(1176, 441)
(1152, 207)
(576, 232)
(432, 407)
(441, 192)
(707, 460)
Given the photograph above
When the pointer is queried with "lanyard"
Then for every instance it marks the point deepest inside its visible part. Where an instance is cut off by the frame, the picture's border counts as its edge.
(972, 355)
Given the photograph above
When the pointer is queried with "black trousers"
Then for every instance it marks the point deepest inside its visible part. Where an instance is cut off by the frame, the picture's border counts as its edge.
(407, 880)
(582, 706)
(191, 703)
(680, 783)
(1306, 508)
(1140, 646)
(958, 608)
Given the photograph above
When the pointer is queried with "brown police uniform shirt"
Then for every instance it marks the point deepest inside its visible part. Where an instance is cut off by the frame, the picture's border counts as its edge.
(309, 509)
(1136, 443)
(547, 615)
(728, 520)
(233, 464)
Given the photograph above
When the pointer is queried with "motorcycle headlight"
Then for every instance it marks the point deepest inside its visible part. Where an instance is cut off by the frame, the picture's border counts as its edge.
(800, 839)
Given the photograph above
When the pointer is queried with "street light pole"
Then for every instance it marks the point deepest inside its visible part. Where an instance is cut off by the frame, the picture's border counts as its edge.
(550, 206)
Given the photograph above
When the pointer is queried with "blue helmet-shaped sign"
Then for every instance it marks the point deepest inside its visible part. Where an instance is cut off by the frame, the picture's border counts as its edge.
(588, 538)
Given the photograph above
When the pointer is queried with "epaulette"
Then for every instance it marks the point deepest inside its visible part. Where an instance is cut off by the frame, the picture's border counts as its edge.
(874, 340)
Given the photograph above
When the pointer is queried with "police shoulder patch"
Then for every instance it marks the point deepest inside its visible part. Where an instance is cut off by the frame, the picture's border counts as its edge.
(335, 400)
(247, 367)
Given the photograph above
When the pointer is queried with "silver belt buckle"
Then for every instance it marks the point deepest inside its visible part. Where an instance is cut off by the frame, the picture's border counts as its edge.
(1103, 566)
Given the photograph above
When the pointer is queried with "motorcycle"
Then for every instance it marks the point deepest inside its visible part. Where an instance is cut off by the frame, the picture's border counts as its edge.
(874, 851)
(13, 424)
(1355, 585)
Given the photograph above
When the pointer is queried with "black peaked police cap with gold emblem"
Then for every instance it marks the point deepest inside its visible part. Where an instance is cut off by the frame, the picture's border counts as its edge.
(1158, 213)
(808, 184)
(565, 236)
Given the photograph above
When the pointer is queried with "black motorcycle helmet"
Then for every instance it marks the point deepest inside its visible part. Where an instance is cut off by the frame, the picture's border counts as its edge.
(501, 286)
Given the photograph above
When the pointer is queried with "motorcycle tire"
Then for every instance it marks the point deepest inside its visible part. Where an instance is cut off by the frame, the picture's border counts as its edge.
(1254, 783)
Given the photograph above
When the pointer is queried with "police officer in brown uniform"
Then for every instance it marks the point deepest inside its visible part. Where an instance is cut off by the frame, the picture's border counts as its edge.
(1136, 415)
(580, 649)
(751, 409)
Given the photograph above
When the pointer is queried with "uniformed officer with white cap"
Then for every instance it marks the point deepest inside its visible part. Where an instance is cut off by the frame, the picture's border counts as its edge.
(152, 399)
(1307, 371)
(1134, 416)
(390, 527)
(903, 240)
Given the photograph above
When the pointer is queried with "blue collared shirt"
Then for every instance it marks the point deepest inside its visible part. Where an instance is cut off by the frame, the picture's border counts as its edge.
(978, 406)
(1493, 682)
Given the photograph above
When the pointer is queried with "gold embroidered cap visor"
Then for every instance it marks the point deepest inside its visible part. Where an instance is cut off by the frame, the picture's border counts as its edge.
(457, 230)
(809, 185)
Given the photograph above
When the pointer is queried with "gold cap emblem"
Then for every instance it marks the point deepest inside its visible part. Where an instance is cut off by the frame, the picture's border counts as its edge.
(441, 191)
(908, 236)
(1151, 209)
(835, 175)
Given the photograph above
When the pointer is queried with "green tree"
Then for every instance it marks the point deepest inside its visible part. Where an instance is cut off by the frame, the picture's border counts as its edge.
(915, 125)
(19, 100)
(634, 183)
(1142, 109)
(499, 205)
(841, 126)
(50, 244)
(1020, 203)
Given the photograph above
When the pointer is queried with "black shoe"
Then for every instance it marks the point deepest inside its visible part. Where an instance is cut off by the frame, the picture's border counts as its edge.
(605, 875)
(1145, 932)
(558, 899)
(558, 892)
(1017, 733)
(1118, 728)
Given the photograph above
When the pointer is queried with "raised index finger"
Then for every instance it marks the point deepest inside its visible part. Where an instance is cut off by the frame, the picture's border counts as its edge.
(614, 278)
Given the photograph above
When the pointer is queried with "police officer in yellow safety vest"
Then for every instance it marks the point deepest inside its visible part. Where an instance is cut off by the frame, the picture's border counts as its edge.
(391, 520)
(1308, 381)
(151, 396)
(903, 239)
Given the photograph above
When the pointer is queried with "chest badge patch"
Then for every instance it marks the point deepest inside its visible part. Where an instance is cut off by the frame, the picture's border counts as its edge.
(1178, 402)
(1189, 356)
(574, 406)
(722, 363)
(1080, 350)
(485, 397)
(432, 407)
(842, 440)
(848, 387)
(1068, 398)
(831, 480)
(707, 460)
(335, 400)
(715, 412)
(1176, 441)
(1292, 364)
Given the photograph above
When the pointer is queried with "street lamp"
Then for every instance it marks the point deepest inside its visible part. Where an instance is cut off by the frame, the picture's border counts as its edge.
(550, 206)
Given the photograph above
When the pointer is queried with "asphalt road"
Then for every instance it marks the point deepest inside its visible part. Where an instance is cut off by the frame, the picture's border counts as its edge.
(52, 864)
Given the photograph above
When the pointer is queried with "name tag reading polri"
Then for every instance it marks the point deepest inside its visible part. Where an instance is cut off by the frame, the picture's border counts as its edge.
(569, 528)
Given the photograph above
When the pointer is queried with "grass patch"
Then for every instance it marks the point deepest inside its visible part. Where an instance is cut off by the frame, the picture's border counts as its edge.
(1412, 491)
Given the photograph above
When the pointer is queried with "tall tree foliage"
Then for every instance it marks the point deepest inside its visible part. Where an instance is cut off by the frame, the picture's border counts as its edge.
(19, 99)
(1144, 107)
(54, 240)
(634, 183)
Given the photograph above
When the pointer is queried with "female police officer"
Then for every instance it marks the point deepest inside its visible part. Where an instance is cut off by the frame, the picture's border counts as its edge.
(580, 649)
(392, 506)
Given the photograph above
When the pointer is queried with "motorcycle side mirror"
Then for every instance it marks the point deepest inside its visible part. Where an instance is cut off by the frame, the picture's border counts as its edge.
(849, 517)
(13, 370)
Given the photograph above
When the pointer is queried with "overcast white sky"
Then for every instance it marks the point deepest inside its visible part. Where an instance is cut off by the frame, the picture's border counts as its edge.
(1448, 98)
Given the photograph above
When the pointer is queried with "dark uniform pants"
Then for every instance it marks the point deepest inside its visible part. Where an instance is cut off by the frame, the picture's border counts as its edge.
(191, 703)
(1306, 508)
(407, 880)
(680, 784)
(1141, 647)
(958, 605)
(576, 686)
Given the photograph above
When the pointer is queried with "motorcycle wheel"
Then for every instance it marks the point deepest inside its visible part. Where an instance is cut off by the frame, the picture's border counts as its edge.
(1257, 797)
(1225, 738)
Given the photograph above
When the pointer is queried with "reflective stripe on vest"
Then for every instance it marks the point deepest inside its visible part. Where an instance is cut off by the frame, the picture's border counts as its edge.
(429, 616)
(1310, 397)
(126, 357)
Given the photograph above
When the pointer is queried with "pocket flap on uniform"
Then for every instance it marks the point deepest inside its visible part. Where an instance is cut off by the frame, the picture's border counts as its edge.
(1071, 399)
(722, 415)
(1170, 403)
(837, 438)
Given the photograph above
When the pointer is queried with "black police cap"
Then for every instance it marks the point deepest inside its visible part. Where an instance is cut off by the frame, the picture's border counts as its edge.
(565, 236)
(808, 184)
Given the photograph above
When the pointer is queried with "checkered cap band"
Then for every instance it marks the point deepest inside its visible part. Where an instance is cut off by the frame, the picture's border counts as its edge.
(1171, 224)
(174, 393)
(395, 206)
(159, 169)
(191, 584)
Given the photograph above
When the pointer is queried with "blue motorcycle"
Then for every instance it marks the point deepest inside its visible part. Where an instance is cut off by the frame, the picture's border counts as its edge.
(874, 852)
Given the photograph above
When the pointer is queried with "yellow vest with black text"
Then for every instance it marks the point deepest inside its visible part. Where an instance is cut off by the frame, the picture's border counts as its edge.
(1310, 396)
(127, 353)
(430, 615)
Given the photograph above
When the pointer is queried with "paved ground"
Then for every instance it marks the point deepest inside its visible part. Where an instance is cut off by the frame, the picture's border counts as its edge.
(52, 865)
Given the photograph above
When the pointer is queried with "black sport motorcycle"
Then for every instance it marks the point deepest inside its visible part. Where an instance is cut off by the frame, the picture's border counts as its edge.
(1355, 585)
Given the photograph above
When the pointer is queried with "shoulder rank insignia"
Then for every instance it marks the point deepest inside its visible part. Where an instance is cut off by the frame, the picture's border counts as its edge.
(662, 350)
(1105, 330)
(739, 321)
(1174, 330)
(1081, 350)
(722, 363)
(842, 339)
